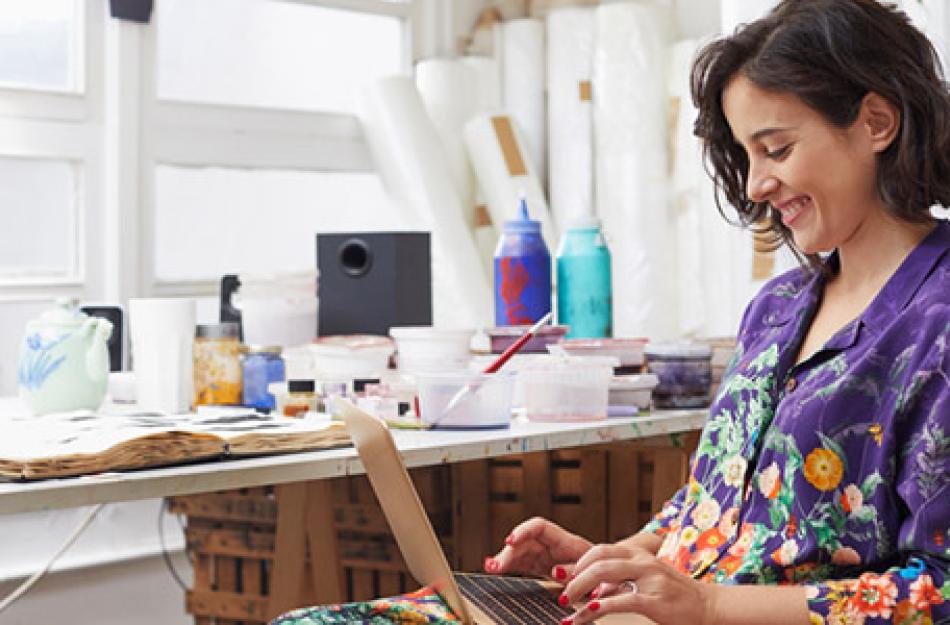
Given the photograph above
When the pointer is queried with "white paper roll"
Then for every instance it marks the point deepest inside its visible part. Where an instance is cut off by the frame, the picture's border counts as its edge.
(630, 138)
(714, 276)
(412, 163)
(449, 91)
(736, 12)
(505, 174)
(487, 81)
(570, 37)
(523, 82)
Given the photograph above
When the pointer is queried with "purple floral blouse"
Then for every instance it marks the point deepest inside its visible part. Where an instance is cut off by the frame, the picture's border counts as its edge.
(833, 473)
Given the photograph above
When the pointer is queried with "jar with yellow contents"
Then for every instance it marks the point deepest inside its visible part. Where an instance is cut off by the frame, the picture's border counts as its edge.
(217, 364)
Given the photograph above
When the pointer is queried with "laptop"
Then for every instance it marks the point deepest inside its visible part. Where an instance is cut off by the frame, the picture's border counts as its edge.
(474, 599)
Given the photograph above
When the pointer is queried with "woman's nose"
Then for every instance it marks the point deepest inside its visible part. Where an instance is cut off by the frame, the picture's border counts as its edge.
(760, 185)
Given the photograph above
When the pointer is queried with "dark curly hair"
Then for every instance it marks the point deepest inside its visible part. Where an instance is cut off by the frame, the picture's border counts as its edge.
(830, 54)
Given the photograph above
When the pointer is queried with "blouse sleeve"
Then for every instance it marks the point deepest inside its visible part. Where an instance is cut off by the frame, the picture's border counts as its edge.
(917, 588)
(662, 522)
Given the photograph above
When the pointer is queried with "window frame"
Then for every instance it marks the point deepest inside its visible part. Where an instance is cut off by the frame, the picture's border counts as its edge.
(193, 134)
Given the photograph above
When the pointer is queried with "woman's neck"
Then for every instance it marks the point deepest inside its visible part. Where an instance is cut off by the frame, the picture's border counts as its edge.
(874, 251)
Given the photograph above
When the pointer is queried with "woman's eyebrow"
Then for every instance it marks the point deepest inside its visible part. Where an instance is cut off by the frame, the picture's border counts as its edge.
(765, 132)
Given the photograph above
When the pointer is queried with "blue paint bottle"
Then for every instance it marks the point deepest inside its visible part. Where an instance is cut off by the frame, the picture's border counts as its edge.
(584, 299)
(522, 272)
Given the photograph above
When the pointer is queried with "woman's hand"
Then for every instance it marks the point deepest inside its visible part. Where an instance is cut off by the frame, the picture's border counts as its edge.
(539, 547)
(658, 592)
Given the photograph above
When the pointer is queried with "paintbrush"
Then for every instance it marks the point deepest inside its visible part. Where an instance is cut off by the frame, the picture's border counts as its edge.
(497, 363)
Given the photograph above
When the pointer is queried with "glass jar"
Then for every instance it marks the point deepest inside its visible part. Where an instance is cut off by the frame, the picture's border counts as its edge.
(261, 366)
(684, 371)
(300, 399)
(217, 364)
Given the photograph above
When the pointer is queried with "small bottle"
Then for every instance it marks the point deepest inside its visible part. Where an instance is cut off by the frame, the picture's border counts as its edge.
(522, 272)
(301, 398)
(217, 364)
(261, 366)
(584, 299)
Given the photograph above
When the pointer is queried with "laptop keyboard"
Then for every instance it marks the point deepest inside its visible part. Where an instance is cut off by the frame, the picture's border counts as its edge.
(512, 600)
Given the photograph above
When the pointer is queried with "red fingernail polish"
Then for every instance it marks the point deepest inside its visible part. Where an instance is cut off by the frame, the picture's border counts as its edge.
(595, 593)
(563, 600)
(488, 563)
(593, 606)
(510, 539)
(560, 573)
(567, 621)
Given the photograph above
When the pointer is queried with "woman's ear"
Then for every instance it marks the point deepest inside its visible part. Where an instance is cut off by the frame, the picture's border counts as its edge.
(881, 120)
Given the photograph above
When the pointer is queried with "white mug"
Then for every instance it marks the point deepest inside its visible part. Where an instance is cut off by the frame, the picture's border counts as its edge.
(163, 332)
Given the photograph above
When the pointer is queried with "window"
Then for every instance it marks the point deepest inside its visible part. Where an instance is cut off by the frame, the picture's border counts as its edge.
(41, 44)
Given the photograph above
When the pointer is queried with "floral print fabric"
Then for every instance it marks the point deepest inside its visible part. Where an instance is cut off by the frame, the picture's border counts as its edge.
(418, 608)
(834, 472)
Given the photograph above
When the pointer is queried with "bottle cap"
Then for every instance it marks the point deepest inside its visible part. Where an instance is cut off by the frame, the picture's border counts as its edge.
(584, 222)
(227, 330)
(300, 386)
(522, 222)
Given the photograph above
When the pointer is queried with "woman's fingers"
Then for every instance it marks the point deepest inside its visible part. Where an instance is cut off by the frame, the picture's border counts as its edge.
(607, 571)
(601, 552)
(625, 601)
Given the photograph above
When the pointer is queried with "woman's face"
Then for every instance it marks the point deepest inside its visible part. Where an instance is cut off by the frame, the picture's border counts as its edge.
(819, 177)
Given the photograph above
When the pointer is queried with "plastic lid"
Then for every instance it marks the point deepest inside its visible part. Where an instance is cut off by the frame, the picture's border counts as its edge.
(301, 386)
(349, 343)
(227, 330)
(522, 221)
(360, 384)
(678, 350)
(584, 222)
(640, 382)
(428, 332)
(264, 349)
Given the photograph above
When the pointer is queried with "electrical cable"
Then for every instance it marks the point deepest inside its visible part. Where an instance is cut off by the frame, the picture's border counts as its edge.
(165, 555)
(25, 586)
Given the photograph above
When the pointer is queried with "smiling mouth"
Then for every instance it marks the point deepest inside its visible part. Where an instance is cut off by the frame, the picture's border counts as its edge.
(792, 209)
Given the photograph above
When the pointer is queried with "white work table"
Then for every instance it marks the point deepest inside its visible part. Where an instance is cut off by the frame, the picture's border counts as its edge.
(418, 448)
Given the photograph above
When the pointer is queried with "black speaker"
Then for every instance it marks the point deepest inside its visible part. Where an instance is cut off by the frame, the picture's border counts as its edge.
(372, 281)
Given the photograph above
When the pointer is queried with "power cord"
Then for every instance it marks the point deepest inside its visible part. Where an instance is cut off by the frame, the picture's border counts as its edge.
(161, 539)
(25, 586)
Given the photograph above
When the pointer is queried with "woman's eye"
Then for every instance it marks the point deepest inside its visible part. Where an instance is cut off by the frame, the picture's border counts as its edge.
(780, 152)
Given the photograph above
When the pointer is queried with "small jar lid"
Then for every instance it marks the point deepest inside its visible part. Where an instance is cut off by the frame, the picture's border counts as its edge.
(227, 330)
(693, 351)
(301, 386)
(264, 349)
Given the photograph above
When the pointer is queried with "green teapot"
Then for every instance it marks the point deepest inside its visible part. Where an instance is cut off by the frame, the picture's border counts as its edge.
(64, 361)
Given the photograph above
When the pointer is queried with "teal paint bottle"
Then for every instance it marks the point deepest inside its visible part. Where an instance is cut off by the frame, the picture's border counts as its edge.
(584, 300)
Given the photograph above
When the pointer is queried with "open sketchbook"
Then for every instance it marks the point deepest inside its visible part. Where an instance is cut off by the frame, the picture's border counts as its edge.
(77, 443)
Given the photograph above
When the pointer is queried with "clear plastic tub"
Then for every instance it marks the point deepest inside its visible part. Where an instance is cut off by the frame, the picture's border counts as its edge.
(628, 351)
(685, 374)
(427, 349)
(351, 356)
(633, 390)
(483, 401)
(567, 389)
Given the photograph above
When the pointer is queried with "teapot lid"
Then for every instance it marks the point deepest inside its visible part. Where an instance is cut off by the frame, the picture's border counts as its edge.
(65, 314)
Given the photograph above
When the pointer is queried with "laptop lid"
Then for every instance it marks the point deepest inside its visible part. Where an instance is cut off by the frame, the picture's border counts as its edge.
(401, 504)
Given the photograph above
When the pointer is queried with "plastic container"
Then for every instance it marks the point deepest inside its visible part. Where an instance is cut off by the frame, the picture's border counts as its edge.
(502, 337)
(566, 389)
(685, 374)
(301, 398)
(351, 356)
(427, 349)
(261, 366)
(583, 281)
(629, 352)
(278, 309)
(632, 390)
(522, 272)
(217, 365)
(486, 404)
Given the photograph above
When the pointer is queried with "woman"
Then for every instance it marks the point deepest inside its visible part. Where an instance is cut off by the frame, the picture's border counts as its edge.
(819, 492)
